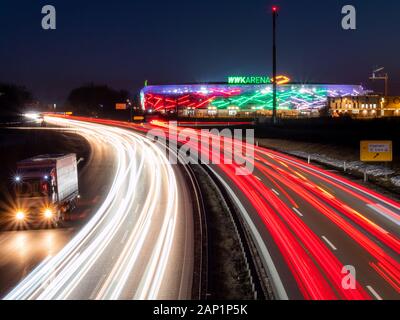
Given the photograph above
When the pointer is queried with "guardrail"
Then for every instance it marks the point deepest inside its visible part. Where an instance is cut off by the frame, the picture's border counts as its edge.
(258, 277)
(200, 272)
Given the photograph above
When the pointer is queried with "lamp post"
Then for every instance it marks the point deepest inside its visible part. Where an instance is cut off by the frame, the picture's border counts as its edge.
(274, 84)
(128, 101)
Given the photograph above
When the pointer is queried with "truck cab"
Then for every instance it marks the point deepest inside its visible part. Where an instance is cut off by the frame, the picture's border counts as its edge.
(46, 189)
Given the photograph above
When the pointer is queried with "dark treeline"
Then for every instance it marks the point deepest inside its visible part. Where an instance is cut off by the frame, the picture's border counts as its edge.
(13, 98)
(95, 100)
(88, 100)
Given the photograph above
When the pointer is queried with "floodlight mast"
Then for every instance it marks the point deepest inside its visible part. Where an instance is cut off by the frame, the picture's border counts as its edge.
(385, 77)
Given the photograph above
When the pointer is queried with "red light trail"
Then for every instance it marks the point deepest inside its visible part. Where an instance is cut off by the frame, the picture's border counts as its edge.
(330, 205)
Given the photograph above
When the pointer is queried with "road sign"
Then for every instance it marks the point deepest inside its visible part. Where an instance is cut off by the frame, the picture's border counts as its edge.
(376, 151)
(120, 106)
(138, 118)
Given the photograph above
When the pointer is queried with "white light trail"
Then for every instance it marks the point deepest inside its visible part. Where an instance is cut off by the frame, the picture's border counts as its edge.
(144, 191)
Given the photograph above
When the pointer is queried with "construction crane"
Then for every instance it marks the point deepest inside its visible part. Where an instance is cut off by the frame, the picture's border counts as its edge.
(377, 76)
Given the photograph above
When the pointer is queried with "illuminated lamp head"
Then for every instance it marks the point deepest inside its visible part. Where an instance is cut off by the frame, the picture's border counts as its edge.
(48, 213)
(20, 216)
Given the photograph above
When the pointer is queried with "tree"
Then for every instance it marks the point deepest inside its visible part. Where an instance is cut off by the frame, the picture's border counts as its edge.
(95, 100)
(13, 98)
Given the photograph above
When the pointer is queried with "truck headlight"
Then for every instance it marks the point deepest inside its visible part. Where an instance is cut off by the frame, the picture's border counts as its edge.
(20, 216)
(48, 213)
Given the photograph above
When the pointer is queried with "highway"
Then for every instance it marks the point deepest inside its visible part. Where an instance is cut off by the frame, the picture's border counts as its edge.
(137, 243)
(308, 224)
(310, 227)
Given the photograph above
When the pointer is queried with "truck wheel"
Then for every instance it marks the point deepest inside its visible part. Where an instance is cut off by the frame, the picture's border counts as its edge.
(72, 205)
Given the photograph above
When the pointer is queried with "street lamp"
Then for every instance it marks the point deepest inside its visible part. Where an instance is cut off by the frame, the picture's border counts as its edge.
(128, 101)
(274, 71)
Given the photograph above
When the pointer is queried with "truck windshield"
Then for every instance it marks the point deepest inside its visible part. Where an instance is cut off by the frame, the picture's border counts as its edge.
(32, 189)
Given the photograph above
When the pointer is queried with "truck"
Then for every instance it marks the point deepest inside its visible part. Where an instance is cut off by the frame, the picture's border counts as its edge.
(46, 189)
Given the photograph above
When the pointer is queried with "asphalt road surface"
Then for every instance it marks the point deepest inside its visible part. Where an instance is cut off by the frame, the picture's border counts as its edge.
(309, 224)
(319, 235)
(137, 243)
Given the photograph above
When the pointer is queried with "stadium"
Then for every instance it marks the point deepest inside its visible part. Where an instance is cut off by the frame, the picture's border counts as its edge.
(244, 100)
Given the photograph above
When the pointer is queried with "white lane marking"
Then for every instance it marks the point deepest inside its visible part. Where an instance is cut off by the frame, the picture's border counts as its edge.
(124, 237)
(298, 212)
(94, 293)
(258, 178)
(329, 243)
(343, 182)
(381, 212)
(374, 293)
(276, 192)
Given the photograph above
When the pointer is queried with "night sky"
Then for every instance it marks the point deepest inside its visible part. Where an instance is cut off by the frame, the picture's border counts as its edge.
(122, 43)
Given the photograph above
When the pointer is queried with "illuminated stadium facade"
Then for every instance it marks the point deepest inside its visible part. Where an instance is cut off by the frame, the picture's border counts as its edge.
(241, 100)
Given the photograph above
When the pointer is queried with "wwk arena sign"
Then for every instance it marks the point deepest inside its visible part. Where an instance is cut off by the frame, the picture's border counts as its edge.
(257, 80)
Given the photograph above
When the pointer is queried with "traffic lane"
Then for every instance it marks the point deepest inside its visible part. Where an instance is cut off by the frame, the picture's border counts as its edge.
(375, 210)
(347, 205)
(94, 282)
(21, 251)
(95, 179)
(384, 257)
(98, 283)
(73, 268)
(344, 247)
(272, 195)
(312, 282)
(177, 280)
(176, 283)
(35, 282)
(273, 261)
(386, 262)
(332, 214)
(378, 210)
(178, 272)
(180, 275)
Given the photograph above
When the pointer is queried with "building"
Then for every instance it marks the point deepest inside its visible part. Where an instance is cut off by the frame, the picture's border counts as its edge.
(391, 106)
(367, 106)
(248, 99)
